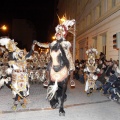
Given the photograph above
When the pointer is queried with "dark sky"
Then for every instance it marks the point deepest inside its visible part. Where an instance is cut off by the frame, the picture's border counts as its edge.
(40, 12)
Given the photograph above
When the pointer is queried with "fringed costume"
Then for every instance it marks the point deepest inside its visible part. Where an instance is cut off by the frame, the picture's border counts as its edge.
(91, 70)
(16, 74)
(60, 67)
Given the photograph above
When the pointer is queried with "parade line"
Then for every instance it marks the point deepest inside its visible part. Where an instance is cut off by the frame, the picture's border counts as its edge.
(39, 109)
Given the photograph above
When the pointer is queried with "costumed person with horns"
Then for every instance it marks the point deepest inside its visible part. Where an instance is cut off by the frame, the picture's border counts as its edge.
(61, 66)
(16, 74)
(62, 30)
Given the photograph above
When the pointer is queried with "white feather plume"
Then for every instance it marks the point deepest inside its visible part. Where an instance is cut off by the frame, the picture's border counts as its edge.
(9, 71)
(95, 77)
(15, 67)
(51, 90)
(2, 49)
(118, 70)
(68, 23)
(2, 81)
(4, 41)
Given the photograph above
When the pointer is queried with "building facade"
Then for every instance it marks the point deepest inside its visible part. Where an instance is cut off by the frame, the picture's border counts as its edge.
(96, 23)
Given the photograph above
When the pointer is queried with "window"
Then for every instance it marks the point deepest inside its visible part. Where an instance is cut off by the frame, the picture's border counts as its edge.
(113, 3)
(93, 15)
(104, 43)
(83, 24)
(81, 54)
(88, 19)
(98, 11)
(95, 42)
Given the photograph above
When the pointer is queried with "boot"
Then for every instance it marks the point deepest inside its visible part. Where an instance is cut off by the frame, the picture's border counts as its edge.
(14, 107)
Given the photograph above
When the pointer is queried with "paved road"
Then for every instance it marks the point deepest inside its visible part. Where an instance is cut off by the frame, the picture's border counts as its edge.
(77, 107)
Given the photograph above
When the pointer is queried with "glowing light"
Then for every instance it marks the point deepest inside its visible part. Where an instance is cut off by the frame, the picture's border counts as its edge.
(4, 27)
(63, 19)
(53, 37)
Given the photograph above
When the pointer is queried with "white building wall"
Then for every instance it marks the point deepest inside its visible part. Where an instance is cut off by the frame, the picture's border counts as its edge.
(91, 26)
(110, 26)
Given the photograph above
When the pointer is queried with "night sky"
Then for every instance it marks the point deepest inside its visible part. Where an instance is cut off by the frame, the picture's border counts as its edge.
(40, 12)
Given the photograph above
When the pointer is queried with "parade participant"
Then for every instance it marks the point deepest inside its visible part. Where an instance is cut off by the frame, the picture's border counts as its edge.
(58, 76)
(42, 59)
(17, 70)
(60, 67)
(91, 70)
(102, 57)
(20, 84)
(61, 32)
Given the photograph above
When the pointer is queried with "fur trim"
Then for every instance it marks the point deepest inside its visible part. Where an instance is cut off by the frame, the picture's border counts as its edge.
(66, 44)
(92, 50)
(2, 49)
(53, 43)
(95, 77)
(8, 43)
(9, 71)
(15, 67)
(68, 23)
(4, 42)
(2, 81)
(118, 70)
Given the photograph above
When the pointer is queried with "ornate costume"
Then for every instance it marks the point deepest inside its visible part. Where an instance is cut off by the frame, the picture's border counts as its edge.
(91, 70)
(61, 31)
(60, 67)
(17, 77)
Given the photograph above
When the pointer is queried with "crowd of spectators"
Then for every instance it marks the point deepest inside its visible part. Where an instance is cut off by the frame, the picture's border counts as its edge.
(108, 78)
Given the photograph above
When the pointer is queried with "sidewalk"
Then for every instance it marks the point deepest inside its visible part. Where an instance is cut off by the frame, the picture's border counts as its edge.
(77, 107)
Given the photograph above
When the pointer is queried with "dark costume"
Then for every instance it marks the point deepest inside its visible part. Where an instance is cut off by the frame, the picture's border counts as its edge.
(112, 78)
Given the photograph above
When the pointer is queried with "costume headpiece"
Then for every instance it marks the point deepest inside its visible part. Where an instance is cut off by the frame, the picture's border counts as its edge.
(8, 43)
(64, 27)
(92, 50)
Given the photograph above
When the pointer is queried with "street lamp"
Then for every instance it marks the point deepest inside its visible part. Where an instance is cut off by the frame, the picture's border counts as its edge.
(4, 28)
(74, 41)
(53, 37)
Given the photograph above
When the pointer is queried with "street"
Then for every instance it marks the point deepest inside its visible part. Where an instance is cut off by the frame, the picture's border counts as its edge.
(77, 107)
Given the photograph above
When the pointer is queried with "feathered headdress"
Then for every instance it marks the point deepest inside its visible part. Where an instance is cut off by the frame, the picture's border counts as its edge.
(64, 18)
(92, 50)
(9, 44)
(64, 27)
